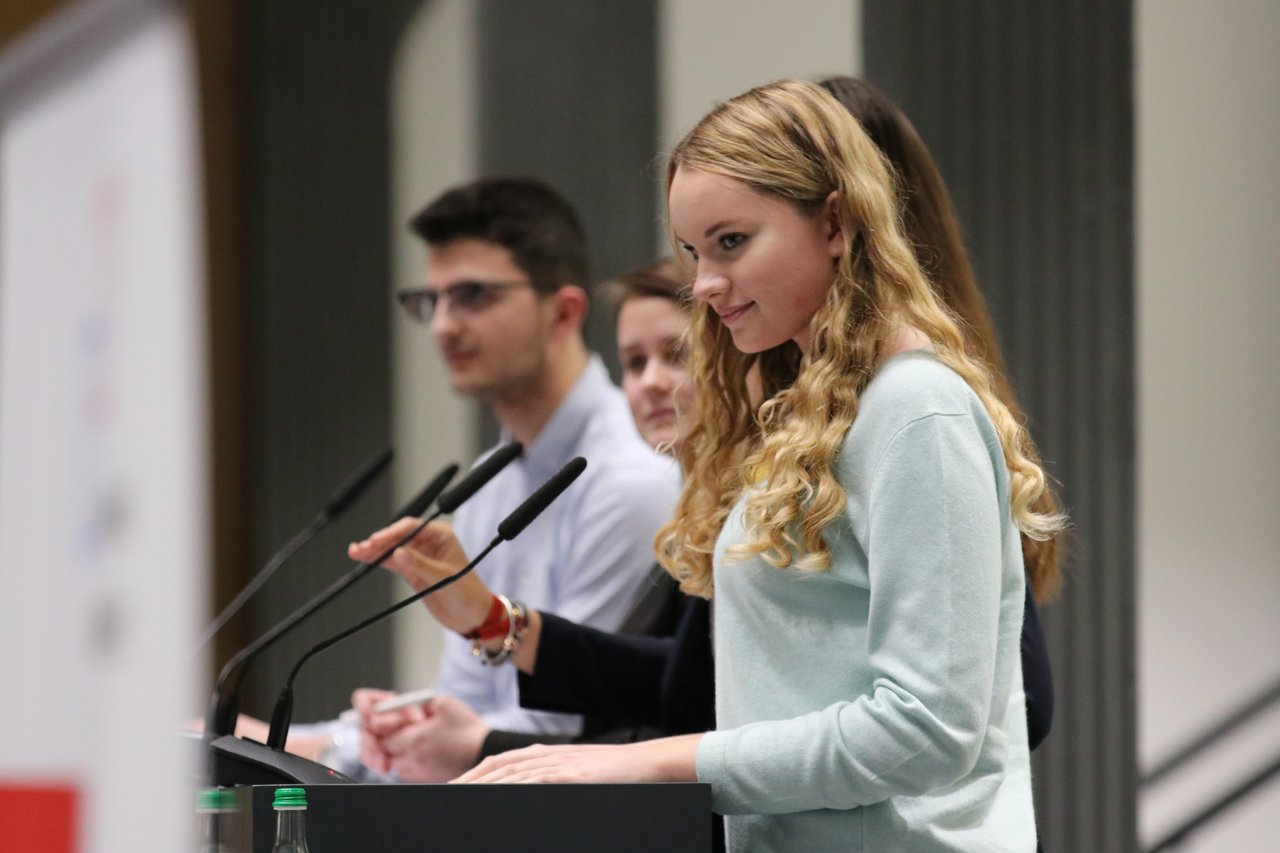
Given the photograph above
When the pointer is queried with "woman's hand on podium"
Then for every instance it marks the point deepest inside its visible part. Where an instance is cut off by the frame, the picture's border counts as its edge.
(671, 759)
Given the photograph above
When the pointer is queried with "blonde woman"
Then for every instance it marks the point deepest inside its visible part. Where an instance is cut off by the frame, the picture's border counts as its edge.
(860, 529)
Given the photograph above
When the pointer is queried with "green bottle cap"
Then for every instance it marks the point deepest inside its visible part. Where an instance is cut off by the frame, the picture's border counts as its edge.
(290, 798)
(215, 800)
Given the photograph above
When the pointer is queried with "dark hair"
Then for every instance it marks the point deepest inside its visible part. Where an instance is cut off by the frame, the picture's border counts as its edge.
(523, 215)
(930, 223)
(661, 279)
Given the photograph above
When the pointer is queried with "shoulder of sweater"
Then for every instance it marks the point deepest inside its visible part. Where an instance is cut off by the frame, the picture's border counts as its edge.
(911, 386)
(909, 389)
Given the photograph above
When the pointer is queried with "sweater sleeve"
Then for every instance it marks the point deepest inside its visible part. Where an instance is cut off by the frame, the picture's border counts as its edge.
(931, 525)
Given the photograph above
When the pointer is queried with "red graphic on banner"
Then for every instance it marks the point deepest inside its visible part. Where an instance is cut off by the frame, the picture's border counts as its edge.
(38, 818)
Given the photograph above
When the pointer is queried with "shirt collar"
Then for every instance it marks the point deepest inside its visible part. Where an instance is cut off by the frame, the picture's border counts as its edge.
(562, 434)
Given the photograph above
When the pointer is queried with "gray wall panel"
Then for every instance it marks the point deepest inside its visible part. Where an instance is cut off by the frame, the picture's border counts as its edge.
(1028, 109)
(317, 150)
(569, 95)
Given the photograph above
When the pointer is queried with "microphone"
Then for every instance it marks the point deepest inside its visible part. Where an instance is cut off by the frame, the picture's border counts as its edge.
(344, 495)
(508, 529)
(341, 498)
(515, 523)
(235, 761)
(220, 718)
(478, 476)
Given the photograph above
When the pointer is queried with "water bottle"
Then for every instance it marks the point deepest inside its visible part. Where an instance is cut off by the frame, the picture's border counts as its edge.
(214, 805)
(291, 820)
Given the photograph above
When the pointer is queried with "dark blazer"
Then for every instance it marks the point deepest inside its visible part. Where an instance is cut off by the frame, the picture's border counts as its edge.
(651, 679)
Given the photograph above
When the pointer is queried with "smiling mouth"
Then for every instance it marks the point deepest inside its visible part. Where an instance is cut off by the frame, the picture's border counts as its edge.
(456, 357)
(732, 314)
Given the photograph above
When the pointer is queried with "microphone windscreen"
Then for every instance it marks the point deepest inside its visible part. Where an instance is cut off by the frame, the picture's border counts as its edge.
(423, 500)
(533, 506)
(478, 476)
(343, 496)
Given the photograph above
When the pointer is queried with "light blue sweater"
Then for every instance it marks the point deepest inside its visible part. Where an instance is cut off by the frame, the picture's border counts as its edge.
(879, 706)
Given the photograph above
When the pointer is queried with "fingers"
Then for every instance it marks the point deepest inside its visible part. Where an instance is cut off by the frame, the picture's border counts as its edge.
(417, 568)
(539, 771)
(365, 698)
(430, 556)
(381, 724)
(375, 727)
(373, 756)
(452, 711)
(407, 739)
(386, 724)
(436, 539)
(561, 763)
(383, 539)
(517, 762)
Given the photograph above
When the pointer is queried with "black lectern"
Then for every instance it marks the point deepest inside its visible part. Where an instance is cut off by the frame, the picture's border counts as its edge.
(467, 818)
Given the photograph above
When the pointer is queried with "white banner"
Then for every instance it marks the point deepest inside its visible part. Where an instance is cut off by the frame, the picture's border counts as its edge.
(103, 456)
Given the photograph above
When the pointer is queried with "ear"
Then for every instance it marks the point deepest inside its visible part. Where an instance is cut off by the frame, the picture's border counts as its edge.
(569, 309)
(830, 219)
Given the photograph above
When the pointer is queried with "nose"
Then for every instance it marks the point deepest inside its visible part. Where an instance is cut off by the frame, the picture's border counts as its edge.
(444, 323)
(709, 284)
(657, 377)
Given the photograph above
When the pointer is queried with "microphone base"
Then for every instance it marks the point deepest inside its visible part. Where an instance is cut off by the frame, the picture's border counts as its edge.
(236, 761)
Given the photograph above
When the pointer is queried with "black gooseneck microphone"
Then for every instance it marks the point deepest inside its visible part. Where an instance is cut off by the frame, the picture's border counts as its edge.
(224, 704)
(482, 473)
(508, 529)
(341, 498)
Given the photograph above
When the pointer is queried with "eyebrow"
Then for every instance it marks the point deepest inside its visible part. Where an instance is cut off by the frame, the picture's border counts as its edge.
(714, 228)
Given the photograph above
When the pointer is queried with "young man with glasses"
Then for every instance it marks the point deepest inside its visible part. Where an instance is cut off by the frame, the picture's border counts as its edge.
(504, 299)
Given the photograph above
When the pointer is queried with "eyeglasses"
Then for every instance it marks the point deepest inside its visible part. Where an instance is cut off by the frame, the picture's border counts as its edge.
(464, 297)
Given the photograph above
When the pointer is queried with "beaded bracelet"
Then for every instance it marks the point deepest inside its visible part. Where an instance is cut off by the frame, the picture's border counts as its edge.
(517, 618)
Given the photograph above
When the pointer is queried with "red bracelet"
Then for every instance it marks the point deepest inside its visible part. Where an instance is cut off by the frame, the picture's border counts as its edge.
(496, 623)
(517, 624)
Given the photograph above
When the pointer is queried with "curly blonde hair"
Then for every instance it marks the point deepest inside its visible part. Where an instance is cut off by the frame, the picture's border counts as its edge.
(793, 140)
(930, 225)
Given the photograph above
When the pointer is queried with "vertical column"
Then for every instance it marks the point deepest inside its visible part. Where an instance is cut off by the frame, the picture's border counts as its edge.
(318, 150)
(1028, 110)
(434, 147)
(568, 94)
